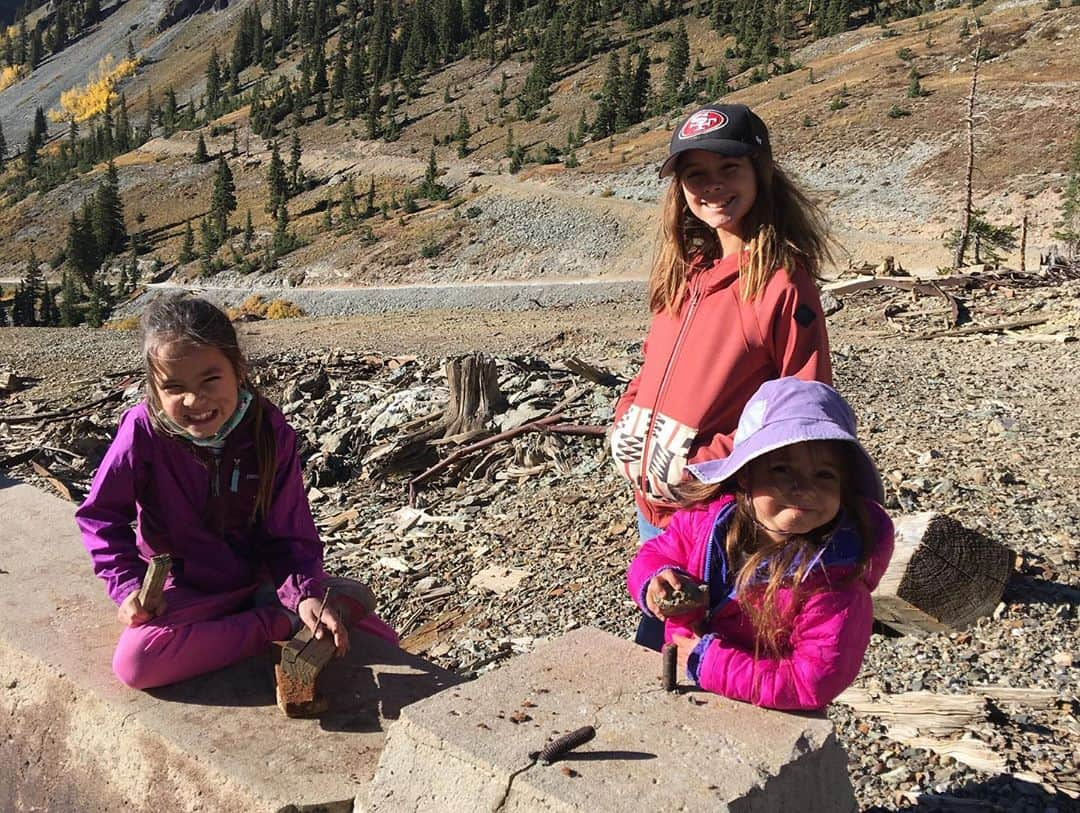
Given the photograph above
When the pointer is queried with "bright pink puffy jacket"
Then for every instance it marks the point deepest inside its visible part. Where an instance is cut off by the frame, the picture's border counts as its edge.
(826, 643)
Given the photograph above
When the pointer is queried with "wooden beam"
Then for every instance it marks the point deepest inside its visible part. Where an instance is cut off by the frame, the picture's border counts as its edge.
(153, 583)
(942, 576)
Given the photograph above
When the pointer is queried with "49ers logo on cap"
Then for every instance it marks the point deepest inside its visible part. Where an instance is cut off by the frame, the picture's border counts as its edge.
(703, 121)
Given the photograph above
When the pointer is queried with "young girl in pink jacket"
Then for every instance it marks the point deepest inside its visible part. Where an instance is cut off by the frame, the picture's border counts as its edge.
(786, 540)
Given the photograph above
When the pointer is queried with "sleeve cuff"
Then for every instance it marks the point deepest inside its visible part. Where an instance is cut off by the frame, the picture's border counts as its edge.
(693, 663)
(121, 593)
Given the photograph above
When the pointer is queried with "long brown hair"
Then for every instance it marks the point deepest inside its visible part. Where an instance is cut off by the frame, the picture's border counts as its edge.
(785, 229)
(190, 320)
(762, 566)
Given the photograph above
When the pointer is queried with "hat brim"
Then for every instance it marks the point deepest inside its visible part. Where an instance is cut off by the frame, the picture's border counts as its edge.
(867, 481)
(721, 146)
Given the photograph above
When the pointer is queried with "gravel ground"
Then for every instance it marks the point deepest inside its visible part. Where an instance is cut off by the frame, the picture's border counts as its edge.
(981, 427)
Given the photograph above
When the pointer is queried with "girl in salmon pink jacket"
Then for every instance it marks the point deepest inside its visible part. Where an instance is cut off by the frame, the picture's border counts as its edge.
(785, 542)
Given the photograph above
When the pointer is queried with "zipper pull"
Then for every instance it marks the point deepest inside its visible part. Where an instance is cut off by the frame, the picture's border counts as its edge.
(234, 481)
(215, 481)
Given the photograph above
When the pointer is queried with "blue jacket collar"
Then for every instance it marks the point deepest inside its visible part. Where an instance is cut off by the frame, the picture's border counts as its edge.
(842, 549)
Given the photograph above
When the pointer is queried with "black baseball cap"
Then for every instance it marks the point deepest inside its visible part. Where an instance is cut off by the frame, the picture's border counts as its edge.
(728, 129)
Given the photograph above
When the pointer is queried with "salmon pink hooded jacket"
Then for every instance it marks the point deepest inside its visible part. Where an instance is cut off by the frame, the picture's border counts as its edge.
(822, 651)
(700, 367)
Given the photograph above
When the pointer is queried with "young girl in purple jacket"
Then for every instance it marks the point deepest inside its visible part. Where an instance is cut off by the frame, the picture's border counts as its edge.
(787, 540)
(205, 470)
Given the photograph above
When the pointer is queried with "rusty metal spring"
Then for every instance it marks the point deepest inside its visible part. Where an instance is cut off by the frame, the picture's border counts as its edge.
(562, 745)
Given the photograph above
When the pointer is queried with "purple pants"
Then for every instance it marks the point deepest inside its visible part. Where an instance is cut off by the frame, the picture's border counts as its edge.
(199, 633)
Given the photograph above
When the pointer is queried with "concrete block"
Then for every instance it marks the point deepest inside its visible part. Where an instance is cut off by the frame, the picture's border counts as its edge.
(467, 748)
(75, 738)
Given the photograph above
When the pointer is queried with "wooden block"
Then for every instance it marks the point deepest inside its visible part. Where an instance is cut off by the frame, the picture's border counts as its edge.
(297, 698)
(305, 656)
(153, 583)
(942, 576)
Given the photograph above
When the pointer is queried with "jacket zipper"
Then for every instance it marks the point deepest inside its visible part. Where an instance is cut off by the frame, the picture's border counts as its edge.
(234, 480)
(215, 480)
(695, 297)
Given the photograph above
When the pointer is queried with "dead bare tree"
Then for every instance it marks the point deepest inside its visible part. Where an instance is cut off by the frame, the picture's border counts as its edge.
(965, 223)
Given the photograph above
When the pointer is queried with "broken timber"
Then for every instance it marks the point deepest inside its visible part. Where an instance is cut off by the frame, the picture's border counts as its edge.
(302, 659)
(153, 584)
(473, 381)
(942, 576)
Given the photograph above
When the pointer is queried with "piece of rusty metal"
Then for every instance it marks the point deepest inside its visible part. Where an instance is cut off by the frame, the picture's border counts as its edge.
(671, 665)
(560, 746)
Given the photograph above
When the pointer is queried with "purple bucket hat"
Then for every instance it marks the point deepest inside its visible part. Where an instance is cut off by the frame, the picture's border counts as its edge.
(786, 411)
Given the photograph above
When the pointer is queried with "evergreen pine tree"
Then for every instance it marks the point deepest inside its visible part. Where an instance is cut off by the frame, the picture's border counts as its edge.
(201, 155)
(282, 240)
(50, 310)
(96, 308)
(337, 77)
(622, 108)
(369, 210)
(293, 171)
(348, 202)
(606, 113)
(148, 121)
(109, 229)
(431, 187)
(222, 199)
(82, 249)
(678, 62)
(914, 90)
(170, 113)
(68, 300)
(123, 127)
(187, 247)
(32, 287)
(41, 126)
(276, 181)
(213, 84)
(30, 155)
(391, 131)
(638, 103)
(18, 307)
(462, 134)
(249, 233)
(36, 49)
(208, 246)
(133, 269)
(121, 283)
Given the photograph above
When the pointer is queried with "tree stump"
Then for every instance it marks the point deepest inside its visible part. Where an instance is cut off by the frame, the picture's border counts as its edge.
(473, 381)
(942, 576)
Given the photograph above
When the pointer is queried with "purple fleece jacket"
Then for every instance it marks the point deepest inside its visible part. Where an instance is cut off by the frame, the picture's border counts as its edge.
(158, 494)
(824, 647)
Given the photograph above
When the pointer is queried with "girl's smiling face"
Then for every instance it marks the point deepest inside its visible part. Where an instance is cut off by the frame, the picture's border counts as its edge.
(197, 386)
(719, 189)
(796, 488)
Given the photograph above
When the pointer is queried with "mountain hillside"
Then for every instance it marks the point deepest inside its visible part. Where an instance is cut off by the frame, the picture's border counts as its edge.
(538, 195)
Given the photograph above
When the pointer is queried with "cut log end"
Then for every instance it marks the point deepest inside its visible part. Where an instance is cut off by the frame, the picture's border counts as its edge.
(942, 575)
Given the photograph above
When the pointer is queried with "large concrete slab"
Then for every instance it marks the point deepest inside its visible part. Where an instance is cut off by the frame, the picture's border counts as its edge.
(467, 748)
(74, 738)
